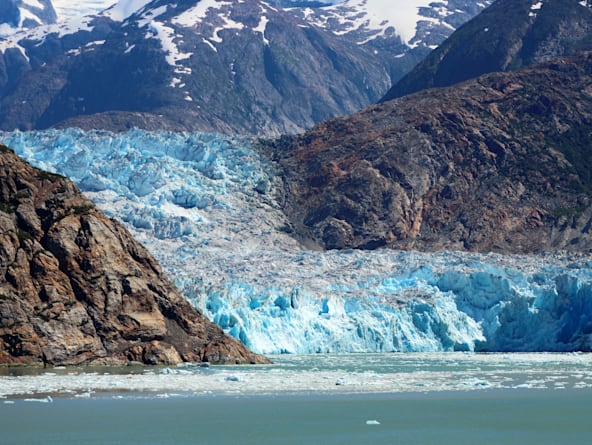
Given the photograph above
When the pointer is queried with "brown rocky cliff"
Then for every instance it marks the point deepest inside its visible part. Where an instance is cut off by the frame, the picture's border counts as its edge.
(501, 163)
(75, 287)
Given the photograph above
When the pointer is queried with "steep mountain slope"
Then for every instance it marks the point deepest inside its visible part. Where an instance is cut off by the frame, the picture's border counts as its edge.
(232, 67)
(508, 35)
(500, 163)
(401, 32)
(76, 288)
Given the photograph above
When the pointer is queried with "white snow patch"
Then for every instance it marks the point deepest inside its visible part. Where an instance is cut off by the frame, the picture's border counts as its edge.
(95, 43)
(536, 6)
(261, 28)
(379, 15)
(26, 14)
(367, 20)
(228, 24)
(125, 8)
(40, 33)
(179, 69)
(167, 36)
(6, 30)
(194, 15)
(212, 10)
(210, 44)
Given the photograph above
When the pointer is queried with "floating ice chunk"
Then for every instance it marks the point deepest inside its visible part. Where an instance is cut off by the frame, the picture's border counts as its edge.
(47, 399)
(372, 422)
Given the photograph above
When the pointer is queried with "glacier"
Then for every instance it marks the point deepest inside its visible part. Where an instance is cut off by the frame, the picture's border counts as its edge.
(209, 208)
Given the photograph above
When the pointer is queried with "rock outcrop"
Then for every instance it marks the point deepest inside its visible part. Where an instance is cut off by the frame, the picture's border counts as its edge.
(509, 35)
(75, 287)
(500, 163)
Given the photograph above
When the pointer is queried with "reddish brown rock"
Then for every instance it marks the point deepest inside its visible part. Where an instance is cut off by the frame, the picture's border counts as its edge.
(501, 163)
(75, 287)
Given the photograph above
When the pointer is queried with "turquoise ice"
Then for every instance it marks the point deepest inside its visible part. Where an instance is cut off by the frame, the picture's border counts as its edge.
(208, 207)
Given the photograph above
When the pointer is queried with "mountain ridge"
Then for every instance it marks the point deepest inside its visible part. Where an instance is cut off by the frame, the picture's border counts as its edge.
(230, 67)
(498, 163)
(508, 35)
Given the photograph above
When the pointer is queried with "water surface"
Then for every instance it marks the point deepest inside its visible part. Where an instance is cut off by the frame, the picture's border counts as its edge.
(325, 399)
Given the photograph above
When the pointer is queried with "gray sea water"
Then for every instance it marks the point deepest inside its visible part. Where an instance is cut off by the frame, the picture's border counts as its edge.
(350, 399)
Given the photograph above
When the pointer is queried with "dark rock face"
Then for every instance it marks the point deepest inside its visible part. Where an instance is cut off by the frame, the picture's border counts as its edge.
(501, 163)
(246, 68)
(75, 287)
(508, 35)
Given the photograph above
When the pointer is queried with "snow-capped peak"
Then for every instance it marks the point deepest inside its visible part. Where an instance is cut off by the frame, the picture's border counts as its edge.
(380, 15)
(366, 20)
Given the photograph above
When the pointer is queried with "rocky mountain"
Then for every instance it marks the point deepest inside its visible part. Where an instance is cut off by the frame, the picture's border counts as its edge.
(499, 163)
(236, 67)
(20, 14)
(75, 287)
(508, 35)
(402, 32)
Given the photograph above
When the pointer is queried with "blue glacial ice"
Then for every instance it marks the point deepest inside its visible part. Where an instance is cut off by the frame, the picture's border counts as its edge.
(208, 207)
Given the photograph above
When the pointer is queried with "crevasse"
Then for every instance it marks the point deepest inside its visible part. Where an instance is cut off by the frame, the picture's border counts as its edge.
(206, 207)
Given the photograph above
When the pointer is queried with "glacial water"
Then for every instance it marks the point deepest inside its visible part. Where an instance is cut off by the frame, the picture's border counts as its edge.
(441, 398)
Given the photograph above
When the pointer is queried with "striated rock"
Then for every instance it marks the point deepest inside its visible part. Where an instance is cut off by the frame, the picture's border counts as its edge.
(75, 287)
(501, 163)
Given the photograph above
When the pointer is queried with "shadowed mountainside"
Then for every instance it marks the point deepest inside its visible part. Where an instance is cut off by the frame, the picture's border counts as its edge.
(508, 35)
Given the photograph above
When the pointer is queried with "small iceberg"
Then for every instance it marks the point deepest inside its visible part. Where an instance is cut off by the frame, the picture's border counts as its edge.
(47, 399)
(372, 422)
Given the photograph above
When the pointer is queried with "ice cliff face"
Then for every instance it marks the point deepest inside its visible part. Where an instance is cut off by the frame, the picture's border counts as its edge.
(208, 208)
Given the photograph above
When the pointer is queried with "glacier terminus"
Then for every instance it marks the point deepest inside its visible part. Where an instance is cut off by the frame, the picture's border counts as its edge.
(209, 208)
